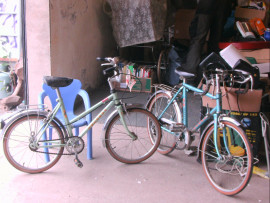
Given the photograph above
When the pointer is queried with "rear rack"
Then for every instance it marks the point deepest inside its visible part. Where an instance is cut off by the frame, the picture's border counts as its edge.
(168, 88)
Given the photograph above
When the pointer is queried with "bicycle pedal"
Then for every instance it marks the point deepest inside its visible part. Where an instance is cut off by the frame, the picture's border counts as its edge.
(78, 163)
(173, 126)
(190, 152)
(177, 127)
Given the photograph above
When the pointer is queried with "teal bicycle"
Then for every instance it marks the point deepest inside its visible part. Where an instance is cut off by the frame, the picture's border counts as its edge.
(29, 148)
(224, 148)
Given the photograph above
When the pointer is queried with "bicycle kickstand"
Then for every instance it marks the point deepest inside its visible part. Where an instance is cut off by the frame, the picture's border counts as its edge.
(77, 161)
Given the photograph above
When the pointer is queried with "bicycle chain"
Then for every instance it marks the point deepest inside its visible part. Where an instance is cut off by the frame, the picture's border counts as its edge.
(57, 153)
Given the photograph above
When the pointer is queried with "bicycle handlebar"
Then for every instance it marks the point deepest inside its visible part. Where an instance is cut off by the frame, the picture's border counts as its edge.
(112, 62)
(108, 70)
(207, 88)
(237, 76)
(245, 81)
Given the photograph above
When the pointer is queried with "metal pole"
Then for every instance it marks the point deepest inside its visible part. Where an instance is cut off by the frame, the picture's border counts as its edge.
(24, 50)
(265, 124)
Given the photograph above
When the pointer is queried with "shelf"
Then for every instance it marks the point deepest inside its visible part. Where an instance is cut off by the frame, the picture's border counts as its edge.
(246, 45)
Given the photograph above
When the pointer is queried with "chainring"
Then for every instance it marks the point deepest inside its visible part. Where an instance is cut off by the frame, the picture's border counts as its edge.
(75, 145)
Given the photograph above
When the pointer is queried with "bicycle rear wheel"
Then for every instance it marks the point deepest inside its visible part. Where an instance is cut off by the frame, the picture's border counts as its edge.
(162, 66)
(231, 173)
(17, 141)
(122, 147)
(173, 113)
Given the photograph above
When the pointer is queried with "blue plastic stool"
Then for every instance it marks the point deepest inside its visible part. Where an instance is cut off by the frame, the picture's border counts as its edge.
(69, 95)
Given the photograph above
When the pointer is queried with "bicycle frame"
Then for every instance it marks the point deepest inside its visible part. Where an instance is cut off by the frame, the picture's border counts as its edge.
(215, 112)
(111, 100)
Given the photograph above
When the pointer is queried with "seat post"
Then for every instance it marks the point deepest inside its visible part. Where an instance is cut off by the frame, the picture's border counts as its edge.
(183, 78)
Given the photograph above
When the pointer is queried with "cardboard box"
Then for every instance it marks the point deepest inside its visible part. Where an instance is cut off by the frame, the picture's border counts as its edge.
(244, 14)
(261, 55)
(141, 85)
(183, 19)
(251, 124)
(249, 102)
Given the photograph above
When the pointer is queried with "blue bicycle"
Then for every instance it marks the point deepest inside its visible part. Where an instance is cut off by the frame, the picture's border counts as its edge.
(224, 148)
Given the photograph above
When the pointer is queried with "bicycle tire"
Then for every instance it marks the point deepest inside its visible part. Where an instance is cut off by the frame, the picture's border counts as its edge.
(122, 147)
(162, 66)
(231, 174)
(17, 139)
(156, 105)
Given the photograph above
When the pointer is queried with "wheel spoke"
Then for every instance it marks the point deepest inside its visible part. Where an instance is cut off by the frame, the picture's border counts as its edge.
(126, 149)
(17, 141)
(231, 172)
(157, 105)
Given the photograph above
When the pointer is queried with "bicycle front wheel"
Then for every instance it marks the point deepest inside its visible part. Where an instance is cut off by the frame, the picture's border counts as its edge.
(157, 105)
(24, 131)
(143, 125)
(230, 173)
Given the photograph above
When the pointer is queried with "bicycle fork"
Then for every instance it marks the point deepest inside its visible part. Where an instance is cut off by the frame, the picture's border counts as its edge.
(217, 124)
(121, 108)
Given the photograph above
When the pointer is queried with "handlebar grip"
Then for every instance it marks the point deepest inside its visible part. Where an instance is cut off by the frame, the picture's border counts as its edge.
(101, 59)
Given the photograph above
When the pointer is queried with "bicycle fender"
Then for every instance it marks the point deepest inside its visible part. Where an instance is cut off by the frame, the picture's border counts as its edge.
(229, 119)
(112, 116)
(153, 95)
(25, 113)
(12, 119)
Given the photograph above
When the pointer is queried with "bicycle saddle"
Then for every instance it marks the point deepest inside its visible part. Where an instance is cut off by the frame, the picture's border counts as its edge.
(184, 74)
(53, 81)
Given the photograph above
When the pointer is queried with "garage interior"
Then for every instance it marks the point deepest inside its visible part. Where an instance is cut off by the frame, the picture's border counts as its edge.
(64, 38)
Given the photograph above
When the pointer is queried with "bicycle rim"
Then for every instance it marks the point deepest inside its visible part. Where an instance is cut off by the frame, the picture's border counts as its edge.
(17, 139)
(122, 147)
(231, 174)
(173, 113)
(162, 66)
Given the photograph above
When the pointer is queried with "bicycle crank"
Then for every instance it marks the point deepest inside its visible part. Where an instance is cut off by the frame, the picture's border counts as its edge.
(184, 140)
(77, 161)
(75, 145)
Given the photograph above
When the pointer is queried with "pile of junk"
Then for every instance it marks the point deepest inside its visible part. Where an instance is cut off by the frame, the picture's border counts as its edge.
(11, 85)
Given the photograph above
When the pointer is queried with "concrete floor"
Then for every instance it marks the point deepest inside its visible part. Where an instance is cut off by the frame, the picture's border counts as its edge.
(174, 178)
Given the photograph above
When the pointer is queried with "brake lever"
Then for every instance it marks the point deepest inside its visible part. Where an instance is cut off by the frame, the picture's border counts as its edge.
(112, 61)
(107, 64)
(251, 82)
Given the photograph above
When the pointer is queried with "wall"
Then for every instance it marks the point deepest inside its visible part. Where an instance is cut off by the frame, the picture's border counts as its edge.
(38, 45)
(80, 32)
(63, 39)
